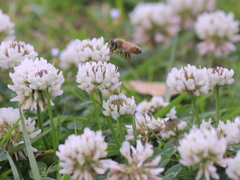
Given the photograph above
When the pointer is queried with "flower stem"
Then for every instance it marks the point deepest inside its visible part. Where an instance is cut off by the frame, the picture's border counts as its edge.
(184, 173)
(52, 125)
(134, 128)
(96, 112)
(195, 109)
(100, 96)
(170, 65)
(40, 122)
(191, 172)
(113, 132)
(217, 106)
(120, 129)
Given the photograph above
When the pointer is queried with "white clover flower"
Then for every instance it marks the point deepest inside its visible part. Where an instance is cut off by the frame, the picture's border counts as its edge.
(119, 105)
(66, 57)
(189, 79)
(8, 117)
(198, 147)
(98, 75)
(6, 28)
(31, 79)
(218, 31)
(173, 128)
(145, 126)
(91, 50)
(12, 53)
(230, 131)
(220, 76)
(188, 10)
(80, 156)
(135, 168)
(153, 106)
(153, 18)
(233, 165)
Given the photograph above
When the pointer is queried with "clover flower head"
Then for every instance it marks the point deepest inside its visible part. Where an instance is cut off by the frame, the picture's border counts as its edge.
(230, 131)
(6, 28)
(220, 76)
(173, 128)
(136, 168)
(153, 106)
(188, 10)
(12, 53)
(145, 126)
(80, 156)
(91, 50)
(189, 79)
(9, 117)
(155, 18)
(98, 75)
(32, 79)
(233, 164)
(119, 105)
(66, 57)
(199, 147)
(218, 31)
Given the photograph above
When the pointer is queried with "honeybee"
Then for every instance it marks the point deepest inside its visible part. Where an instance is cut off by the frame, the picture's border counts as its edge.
(123, 47)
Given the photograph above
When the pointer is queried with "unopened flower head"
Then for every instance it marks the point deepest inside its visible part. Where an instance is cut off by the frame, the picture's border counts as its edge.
(98, 75)
(188, 10)
(119, 105)
(67, 55)
(189, 79)
(233, 165)
(153, 106)
(218, 31)
(80, 156)
(32, 79)
(220, 76)
(153, 18)
(135, 168)
(230, 131)
(9, 117)
(12, 53)
(91, 50)
(6, 28)
(147, 127)
(173, 128)
(198, 147)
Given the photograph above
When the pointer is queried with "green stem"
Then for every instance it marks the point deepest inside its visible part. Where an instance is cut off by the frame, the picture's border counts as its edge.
(191, 172)
(196, 113)
(40, 122)
(120, 124)
(113, 132)
(52, 125)
(100, 96)
(170, 65)
(184, 172)
(217, 106)
(96, 112)
(134, 128)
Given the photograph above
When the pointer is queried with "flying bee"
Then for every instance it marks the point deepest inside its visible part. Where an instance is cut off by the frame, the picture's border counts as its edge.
(123, 47)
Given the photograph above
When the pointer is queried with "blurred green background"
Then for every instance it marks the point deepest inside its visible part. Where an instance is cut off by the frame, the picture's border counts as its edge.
(47, 23)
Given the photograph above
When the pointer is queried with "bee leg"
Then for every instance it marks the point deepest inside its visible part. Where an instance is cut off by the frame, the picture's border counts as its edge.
(120, 53)
(127, 56)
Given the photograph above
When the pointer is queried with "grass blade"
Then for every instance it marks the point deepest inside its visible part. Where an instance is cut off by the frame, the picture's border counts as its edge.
(13, 167)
